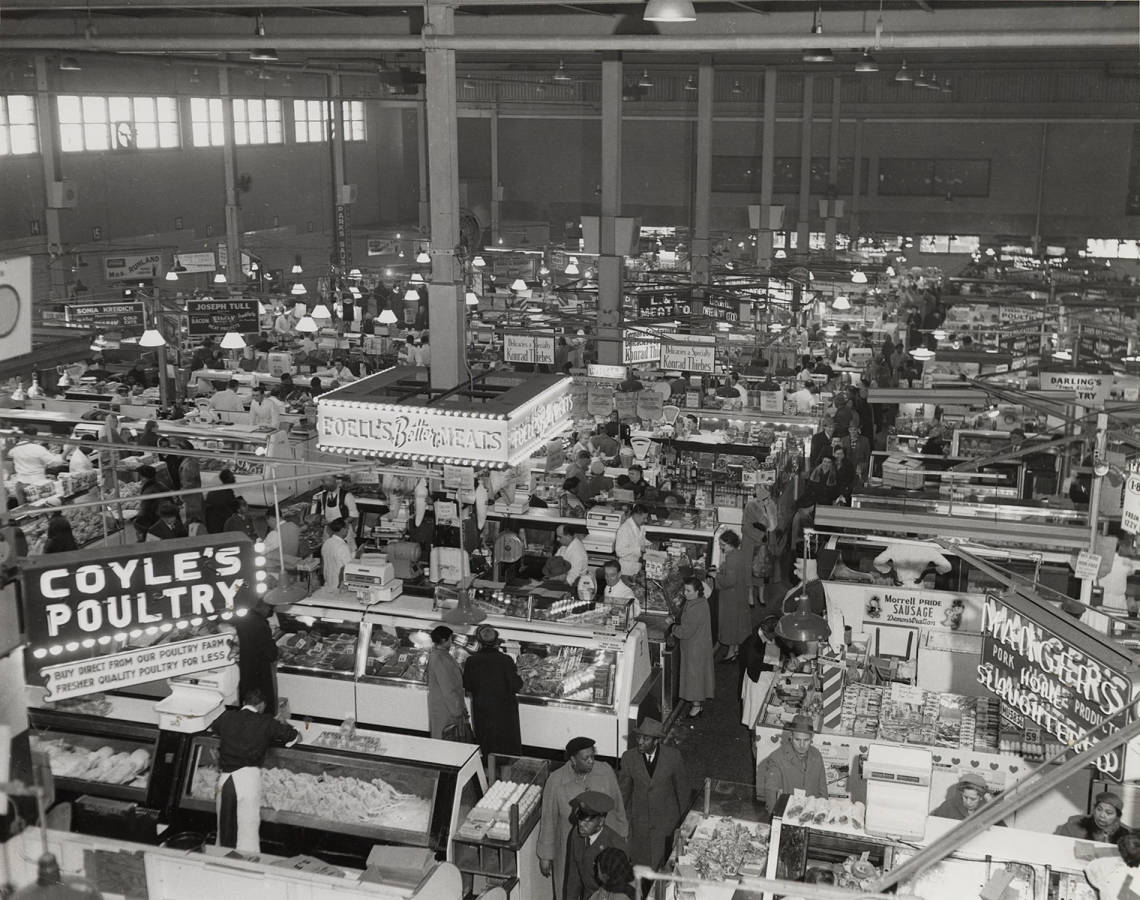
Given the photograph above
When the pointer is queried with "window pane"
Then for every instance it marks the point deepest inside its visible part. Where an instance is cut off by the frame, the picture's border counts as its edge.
(256, 110)
(257, 132)
(144, 109)
(146, 135)
(201, 132)
(119, 110)
(3, 111)
(168, 135)
(71, 138)
(241, 132)
(274, 133)
(239, 111)
(25, 139)
(68, 107)
(95, 137)
(167, 109)
(273, 110)
(21, 110)
(5, 150)
(217, 134)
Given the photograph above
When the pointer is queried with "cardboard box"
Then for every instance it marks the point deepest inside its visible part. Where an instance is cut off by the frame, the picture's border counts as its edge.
(400, 866)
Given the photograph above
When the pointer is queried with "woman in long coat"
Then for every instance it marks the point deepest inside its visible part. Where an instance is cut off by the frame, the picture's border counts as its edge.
(493, 682)
(757, 526)
(734, 620)
(444, 684)
(693, 632)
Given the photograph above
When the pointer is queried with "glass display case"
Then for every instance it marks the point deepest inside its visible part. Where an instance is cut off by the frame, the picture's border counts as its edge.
(400, 653)
(336, 791)
(322, 646)
(90, 754)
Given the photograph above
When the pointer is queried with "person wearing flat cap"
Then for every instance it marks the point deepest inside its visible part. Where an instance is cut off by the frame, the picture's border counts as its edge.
(963, 798)
(493, 681)
(1103, 824)
(589, 836)
(795, 763)
(655, 789)
(582, 772)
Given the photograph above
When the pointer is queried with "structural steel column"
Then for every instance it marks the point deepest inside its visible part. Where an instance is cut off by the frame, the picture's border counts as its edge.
(832, 165)
(803, 219)
(854, 225)
(496, 187)
(702, 186)
(611, 261)
(46, 126)
(229, 162)
(445, 291)
(767, 171)
(341, 233)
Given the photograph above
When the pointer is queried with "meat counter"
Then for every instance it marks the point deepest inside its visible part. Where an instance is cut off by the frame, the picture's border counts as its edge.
(341, 791)
(1043, 866)
(114, 760)
(577, 681)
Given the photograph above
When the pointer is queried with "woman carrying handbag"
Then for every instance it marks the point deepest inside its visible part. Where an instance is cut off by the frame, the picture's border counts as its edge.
(447, 710)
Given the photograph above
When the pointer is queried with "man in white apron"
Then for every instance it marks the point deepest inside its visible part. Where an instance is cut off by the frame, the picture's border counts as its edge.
(246, 735)
(335, 501)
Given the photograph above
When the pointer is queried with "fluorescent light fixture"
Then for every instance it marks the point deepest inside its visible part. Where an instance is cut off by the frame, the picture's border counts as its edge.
(234, 341)
(669, 11)
(152, 337)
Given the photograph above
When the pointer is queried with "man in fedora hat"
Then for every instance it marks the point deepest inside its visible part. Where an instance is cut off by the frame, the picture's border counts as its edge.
(794, 764)
(582, 772)
(493, 681)
(655, 789)
(589, 836)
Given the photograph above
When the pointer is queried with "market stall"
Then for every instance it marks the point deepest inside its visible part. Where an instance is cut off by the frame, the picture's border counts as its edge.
(583, 672)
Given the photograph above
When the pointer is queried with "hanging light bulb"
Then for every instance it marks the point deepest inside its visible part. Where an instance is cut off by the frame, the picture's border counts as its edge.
(152, 337)
(307, 324)
(298, 289)
(411, 294)
(519, 286)
(296, 270)
(219, 277)
(478, 262)
(416, 278)
(858, 277)
(471, 298)
(781, 254)
(922, 354)
(903, 74)
(233, 341)
(386, 317)
(841, 303)
(320, 311)
(572, 267)
(423, 258)
(938, 334)
(171, 275)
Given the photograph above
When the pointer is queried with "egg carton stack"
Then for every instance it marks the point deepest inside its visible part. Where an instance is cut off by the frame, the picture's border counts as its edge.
(491, 817)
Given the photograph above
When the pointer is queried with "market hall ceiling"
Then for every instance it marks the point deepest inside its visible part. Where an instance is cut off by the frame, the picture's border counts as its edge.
(754, 32)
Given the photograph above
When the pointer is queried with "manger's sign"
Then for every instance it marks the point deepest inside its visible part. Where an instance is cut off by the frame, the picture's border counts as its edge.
(1049, 679)
(91, 602)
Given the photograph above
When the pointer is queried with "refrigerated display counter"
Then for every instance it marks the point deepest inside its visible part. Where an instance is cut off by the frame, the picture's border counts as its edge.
(340, 792)
(578, 679)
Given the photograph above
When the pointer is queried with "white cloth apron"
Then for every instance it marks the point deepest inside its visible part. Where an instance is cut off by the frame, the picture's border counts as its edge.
(247, 786)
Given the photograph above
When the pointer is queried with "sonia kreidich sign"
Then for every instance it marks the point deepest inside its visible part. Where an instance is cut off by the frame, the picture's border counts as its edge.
(1056, 675)
(91, 603)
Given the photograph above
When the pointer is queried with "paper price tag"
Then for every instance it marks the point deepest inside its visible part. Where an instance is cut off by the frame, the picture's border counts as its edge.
(1088, 565)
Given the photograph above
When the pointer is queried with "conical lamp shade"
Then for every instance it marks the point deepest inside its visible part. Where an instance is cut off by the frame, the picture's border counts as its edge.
(803, 627)
(152, 337)
(386, 317)
(307, 323)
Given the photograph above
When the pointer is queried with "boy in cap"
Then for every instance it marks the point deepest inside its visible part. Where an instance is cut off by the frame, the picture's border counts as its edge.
(589, 837)
(1103, 824)
(582, 772)
(655, 789)
(794, 764)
